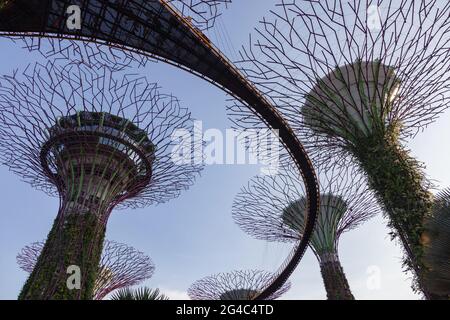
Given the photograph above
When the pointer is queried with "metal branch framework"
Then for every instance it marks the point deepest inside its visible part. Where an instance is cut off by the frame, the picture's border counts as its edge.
(236, 285)
(308, 55)
(97, 142)
(50, 100)
(354, 80)
(272, 208)
(155, 29)
(120, 266)
(201, 13)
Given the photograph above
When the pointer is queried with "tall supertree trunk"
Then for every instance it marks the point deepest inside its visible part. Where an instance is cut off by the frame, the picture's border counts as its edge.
(75, 240)
(400, 185)
(334, 279)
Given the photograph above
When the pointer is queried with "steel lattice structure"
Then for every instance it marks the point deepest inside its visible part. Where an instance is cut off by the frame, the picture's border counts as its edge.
(202, 14)
(97, 142)
(271, 208)
(155, 29)
(236, 285)
(355, 80)
(120, 266)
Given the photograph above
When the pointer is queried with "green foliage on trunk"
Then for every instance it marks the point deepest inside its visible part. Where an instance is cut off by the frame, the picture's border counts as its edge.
(335, 281)
(436, 239)
(78, 240)
(401, 186)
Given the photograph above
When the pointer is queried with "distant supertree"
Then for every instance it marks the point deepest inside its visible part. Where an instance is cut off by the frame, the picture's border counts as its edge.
(355, 79)
(201, 13)
(236, 285)
(97, 143)
(120, 266)
(272, 208)
(436, 239)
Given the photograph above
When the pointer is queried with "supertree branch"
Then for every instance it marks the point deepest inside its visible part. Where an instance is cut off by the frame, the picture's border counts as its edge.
(236, 285)
(436, 239)
(201, 13)
(273, 208)
(121, 266)
(355, 80)
(97, 143)
(91, 54)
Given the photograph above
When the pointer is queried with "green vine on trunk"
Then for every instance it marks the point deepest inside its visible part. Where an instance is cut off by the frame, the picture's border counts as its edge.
(401, 186)
(78, 240)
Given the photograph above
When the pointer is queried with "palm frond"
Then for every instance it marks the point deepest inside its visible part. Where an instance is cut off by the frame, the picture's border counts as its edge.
(143, 293)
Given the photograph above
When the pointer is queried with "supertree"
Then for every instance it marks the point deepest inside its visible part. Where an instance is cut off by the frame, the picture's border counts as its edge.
(436, 239)
(201, 13)
(235, 285)
(154, 28)
(97, 143)
(120, 266)
(272, 208)
(355, 79)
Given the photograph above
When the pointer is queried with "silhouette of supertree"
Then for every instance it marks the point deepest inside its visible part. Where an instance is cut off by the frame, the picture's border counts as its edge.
(120, 266)
(236, 285)
(355, 80)
(97, 142)
(272, 208)
(436, 239)
(201, 13)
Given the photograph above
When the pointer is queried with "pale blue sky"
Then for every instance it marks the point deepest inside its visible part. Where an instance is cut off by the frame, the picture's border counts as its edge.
(194, 236)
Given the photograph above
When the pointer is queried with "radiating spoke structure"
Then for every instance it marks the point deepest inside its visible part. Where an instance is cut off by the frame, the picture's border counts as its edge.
(97, 142)
(355, 79)
(272, 208)
(157, 29)
(121, 266)
(236, 285)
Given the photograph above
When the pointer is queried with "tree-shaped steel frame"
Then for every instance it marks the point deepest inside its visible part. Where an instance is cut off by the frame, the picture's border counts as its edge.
(354, 80)
(120, 266)
(97, 142)
(155, 29)
(201, 13)
(236, 285)
(33, 103)
(271, 208)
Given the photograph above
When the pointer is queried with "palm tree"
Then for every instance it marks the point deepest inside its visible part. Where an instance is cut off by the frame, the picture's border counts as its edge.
(436, 239)
(143, 293)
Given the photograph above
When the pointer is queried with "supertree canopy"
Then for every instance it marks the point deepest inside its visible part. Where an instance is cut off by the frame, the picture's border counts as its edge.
(236, 285)
(272, 208)
(167, 32)
(120, 266)
(355, 79)
(201, 13)
(97, 142)
(436, 239)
